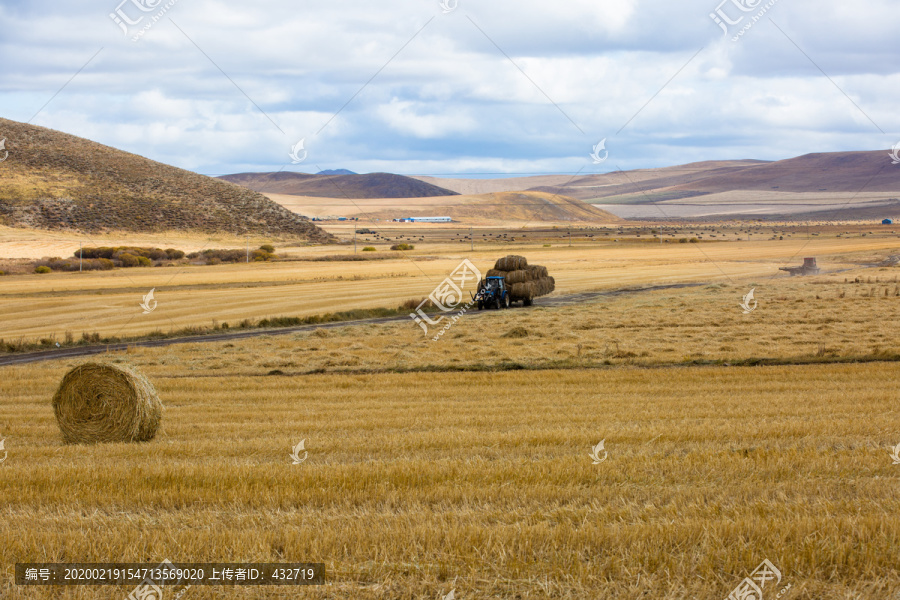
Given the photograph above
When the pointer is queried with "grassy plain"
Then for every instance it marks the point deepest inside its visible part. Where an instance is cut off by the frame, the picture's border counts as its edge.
(463, 463)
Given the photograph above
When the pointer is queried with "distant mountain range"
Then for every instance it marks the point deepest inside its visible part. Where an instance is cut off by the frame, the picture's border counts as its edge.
(336, 172)
(372, 185)
(53, 180)
(837, 172)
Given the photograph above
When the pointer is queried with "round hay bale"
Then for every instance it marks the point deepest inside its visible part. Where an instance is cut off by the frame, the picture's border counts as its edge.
(511, 263)
(495, 273)
(523, 291)
(513, 277)
(536, 272)
(98, 403)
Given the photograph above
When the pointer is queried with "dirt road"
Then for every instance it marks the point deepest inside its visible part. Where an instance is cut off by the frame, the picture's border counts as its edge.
(77, 352)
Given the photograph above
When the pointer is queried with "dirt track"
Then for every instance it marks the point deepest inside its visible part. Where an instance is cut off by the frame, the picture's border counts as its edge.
(44, 355)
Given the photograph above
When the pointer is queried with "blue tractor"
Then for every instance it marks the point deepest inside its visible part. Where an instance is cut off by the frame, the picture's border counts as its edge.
(492, 293)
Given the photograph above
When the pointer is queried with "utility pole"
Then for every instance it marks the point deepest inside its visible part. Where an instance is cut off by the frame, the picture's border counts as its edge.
(354, 239)
(80, 257)
(472, 239)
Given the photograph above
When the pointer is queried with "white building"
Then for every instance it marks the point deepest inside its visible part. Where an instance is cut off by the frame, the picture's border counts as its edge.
(430, 219)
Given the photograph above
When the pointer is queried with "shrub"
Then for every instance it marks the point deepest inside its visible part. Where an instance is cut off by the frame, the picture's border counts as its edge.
(369, 249)
(403, 247)
(75, 264)
(694, 241)
(129, 260)
(261, 255)
(43, 269)
(268, 248)
(683, 241)
(118, 251)
(143, 261)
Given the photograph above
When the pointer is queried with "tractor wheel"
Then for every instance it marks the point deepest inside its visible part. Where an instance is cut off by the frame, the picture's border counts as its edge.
(527, 302)
(480, 305)
(506, 301)
(497, 303)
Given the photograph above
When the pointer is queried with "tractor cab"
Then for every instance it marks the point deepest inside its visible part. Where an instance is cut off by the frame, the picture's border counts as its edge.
(492, 293)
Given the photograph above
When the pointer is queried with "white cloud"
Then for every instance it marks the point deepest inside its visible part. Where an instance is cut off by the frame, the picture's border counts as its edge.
(450, 99)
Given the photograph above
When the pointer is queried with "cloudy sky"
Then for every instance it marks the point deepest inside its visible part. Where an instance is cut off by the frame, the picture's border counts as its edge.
(417, 87)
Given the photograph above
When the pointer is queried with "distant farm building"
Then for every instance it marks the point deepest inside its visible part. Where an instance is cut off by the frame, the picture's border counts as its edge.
(427, 220)
(887, 222)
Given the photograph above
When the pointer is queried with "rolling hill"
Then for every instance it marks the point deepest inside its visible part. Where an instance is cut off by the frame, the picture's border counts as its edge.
(837, 172)
(830, 172)
(371, 185)
(497, 208)
(595, 187)
(53, 180)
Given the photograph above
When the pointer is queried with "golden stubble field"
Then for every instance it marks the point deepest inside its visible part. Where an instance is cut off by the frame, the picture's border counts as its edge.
(420, 483)
(108, 303)
(463, 464)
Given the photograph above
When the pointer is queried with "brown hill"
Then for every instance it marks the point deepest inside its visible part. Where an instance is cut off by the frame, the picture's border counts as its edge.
(52, 180)
(594, 187)
(832, 172)
(371, 185)
(501, 207)
(837, 172)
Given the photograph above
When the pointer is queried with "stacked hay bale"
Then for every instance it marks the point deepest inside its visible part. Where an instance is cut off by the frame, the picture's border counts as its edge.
(525, 282)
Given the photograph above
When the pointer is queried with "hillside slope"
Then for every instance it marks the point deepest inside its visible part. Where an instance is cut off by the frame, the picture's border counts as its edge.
(53, 180)
(496, 208)
(833, 172)
(594, 186)
(371, 185)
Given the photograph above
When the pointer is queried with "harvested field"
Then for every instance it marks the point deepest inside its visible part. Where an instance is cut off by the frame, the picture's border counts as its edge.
(475, 481)
(463, 464)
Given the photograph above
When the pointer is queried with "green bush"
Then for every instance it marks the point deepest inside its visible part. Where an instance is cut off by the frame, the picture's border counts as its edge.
(268, 248)
(143, 261)
(369, 249)
(694, 241)
(403, 247)
(683, 241)
(43, 269)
